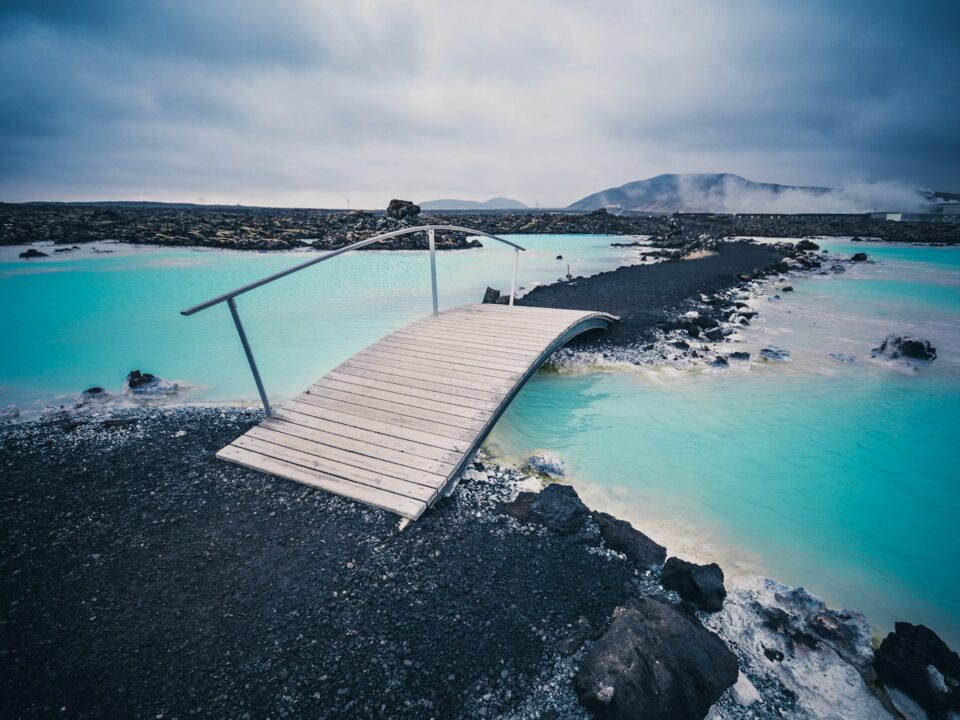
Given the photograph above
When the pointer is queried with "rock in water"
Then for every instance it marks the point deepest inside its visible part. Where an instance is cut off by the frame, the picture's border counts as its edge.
(621, 536)
(895, 347)
(807, 245)
(32, 253)
(402, 209)
(777, 354)
(547, 464)
(859, 257)
(820, 658)
(915, 660)
(140, 383)
(654, 662)
(700, 584)
(491, 295)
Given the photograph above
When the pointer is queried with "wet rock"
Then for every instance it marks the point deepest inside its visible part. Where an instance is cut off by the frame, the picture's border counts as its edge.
(859, 257)
(720, 363)
(843, 358)
(682, 345)
(774, 353)
(789, 638)
(916, 661)
(739, 356)
(838, 268)
(621, 536)
(701, 585)
(546, 464)
(491, 295)
(895, 347)
(402, 209)
(32, 253)
(654, 662)
(787, 288)
(95, 395)
(9, 413)
(807, 245)
(144, 384)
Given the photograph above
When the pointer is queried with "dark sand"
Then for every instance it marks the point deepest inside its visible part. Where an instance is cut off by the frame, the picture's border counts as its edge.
(143, 578)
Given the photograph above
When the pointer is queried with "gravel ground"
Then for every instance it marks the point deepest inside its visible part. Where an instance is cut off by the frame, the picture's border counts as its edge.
(140, 577)
(644, 295)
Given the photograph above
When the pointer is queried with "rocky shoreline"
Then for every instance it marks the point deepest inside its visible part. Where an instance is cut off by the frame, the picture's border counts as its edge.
(248, 228)
(143, 577)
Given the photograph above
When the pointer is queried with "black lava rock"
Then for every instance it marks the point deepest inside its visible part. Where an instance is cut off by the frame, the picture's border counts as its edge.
(787, 288)
(621, 536)
(557, 506)
(491, 295)
(859, 257)
(654, 662)
(807, 245)
(915, 660)
(903, 346)
(402, 209)
(700, 584)
(32, 253)
(137, 379)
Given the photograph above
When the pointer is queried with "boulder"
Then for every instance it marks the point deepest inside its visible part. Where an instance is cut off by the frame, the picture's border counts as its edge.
(915, 660)
(807, 245)
(787, 288)
(402, 209)
(558, 507)
(701, 585)
(739, 356)
(546, 464)
(32, 253)
(654, 662)
(621, 536)
(895, 347)
(859, 257)
(139, 383)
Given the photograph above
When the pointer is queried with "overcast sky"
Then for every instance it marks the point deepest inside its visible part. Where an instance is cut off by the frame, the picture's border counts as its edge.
(312, 103)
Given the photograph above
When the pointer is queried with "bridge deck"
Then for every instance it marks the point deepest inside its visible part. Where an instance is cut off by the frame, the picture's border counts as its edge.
(395, 424)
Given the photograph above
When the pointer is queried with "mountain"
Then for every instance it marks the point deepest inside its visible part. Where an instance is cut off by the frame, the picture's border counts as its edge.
(704, 192)
(497, 203)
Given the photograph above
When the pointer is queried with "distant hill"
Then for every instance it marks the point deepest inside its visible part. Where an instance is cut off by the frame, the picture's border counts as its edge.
(703, 192)
(497, 203)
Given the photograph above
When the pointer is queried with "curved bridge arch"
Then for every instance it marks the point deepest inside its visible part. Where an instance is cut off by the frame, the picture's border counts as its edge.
(396, 425)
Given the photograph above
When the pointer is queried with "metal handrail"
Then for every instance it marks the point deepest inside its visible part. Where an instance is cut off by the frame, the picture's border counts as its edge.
(228, 297)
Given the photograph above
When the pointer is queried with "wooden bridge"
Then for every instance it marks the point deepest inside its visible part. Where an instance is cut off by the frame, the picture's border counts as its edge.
(396, 425)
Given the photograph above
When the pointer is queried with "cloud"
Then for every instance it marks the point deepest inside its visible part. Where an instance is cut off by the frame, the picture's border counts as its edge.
(303, 103)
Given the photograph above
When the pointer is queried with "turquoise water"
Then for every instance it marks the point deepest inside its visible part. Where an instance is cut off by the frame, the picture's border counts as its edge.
(840, 477)
(81, 320)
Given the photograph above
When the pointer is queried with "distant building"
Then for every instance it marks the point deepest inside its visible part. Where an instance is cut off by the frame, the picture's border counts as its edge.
(614, 209)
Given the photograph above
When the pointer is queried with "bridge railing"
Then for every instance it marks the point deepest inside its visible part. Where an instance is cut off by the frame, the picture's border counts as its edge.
(229, 297)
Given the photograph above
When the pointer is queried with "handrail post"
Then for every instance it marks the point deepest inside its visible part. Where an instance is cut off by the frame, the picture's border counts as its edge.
(513, 284)
(433, 268)
(246, 348)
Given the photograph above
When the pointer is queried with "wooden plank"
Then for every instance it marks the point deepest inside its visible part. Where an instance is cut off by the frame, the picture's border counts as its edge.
(453, 356)
(448, 394)
(405, 506)
(356, 416)
(425, 373)
(340, 462)
(412, 448)
(495, 332)
(385, 354)
(405, 414)
(318, 404)
(471, 409)
(358, 446)
(359, 456)
(528, 325)
(394, 378)
(487, 343)
(335, 469)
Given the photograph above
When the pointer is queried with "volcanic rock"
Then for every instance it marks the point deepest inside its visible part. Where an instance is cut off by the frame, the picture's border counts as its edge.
(402, 209)
(654, 662)
(915, 660)
(621, 536)
(895, 347)
(700, 584)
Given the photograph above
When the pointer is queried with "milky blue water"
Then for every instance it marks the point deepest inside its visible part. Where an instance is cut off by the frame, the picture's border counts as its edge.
(79, 320)
(842, 477)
